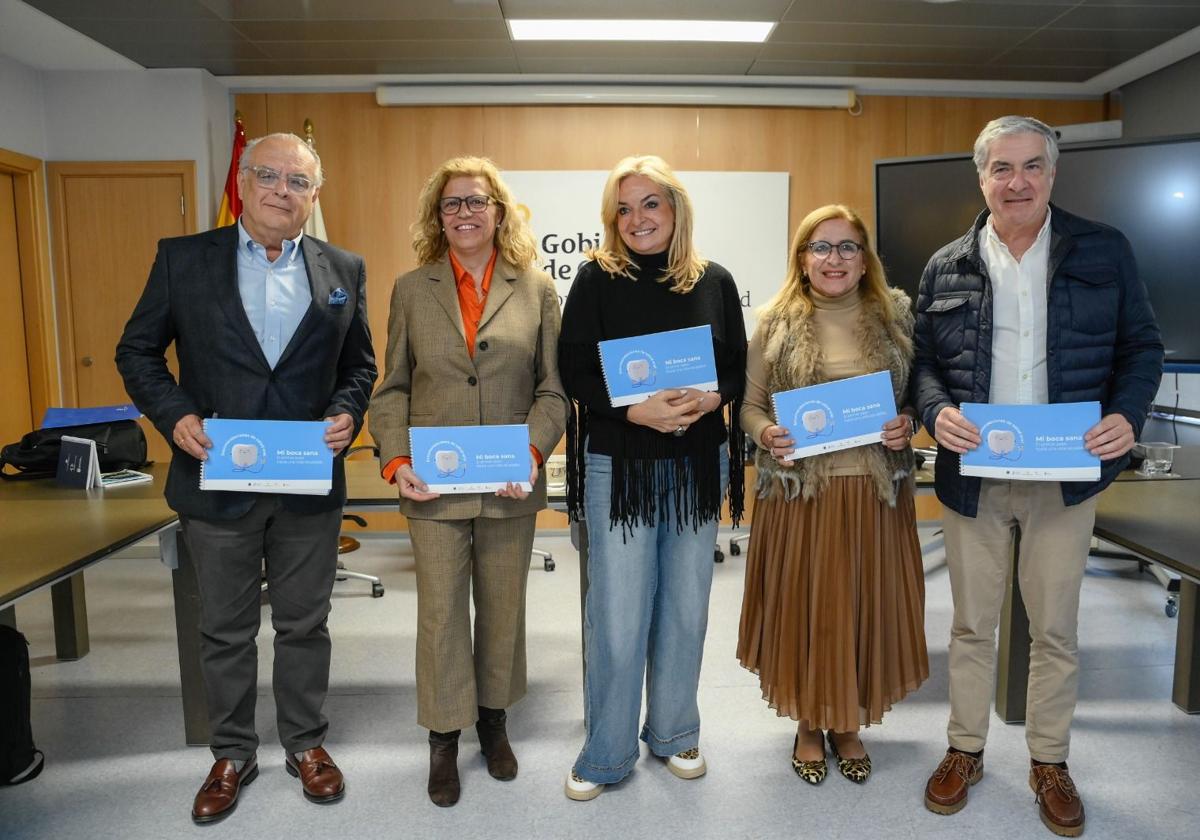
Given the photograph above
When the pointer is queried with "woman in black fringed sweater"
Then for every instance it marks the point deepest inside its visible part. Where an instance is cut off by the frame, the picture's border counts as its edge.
(649, 478)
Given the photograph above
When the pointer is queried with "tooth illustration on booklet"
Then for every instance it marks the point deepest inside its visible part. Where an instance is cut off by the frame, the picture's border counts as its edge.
(639, 372)
(1001, 442)
(447, 464)
(815, 421)
(244, 456)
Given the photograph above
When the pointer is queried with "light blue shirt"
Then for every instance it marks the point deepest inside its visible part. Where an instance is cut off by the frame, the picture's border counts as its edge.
(275, 295)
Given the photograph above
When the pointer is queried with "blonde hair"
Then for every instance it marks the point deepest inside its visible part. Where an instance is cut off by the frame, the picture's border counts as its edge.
(513, 237)
(794, 300)
(684, 265)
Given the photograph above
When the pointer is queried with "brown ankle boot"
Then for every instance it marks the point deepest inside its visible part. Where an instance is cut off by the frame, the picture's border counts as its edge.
(444, 788)
(493, 740)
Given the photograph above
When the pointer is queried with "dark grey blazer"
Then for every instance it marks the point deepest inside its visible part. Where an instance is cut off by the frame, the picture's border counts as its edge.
(192, 299)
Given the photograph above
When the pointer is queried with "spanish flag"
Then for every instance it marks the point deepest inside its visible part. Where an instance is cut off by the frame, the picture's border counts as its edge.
(231, 202)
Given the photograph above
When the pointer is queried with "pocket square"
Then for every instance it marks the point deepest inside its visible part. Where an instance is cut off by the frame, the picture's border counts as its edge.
(338, 297)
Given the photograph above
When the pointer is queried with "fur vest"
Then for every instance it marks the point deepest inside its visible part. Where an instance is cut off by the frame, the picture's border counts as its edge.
(793, 356)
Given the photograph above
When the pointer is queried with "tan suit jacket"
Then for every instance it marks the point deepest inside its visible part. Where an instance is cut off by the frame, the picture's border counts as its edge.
(431, 380)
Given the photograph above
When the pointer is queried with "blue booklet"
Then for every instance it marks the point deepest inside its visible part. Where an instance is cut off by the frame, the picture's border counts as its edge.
(636, 367)
(56, 418)
(1032, 442)
(471, 459)
(836, 415)
(268, 456)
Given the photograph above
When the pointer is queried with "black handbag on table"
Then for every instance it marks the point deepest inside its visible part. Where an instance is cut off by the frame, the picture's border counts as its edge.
(120, 445)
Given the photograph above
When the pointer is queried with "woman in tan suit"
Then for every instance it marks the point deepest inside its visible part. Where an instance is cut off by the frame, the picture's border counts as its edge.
(471, 341)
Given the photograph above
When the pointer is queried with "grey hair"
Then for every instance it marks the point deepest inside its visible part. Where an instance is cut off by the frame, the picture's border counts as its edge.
(1012, 124)
(244, 160)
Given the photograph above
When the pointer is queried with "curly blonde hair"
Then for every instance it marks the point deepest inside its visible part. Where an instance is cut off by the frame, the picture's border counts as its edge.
(684, 265)
(794, 299)
(513, 237)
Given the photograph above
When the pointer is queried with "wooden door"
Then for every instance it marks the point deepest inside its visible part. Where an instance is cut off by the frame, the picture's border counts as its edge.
(108, 220)
(16, 416)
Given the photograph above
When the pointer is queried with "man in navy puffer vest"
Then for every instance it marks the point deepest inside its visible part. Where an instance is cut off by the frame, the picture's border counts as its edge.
(1032, 305)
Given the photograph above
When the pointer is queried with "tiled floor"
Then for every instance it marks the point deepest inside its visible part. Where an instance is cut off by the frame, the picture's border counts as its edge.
(111, 727)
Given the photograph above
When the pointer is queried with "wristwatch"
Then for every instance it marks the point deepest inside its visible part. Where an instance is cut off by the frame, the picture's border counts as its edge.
(914, 426)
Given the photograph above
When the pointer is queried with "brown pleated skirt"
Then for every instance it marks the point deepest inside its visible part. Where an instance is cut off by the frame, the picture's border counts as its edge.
(833, 615)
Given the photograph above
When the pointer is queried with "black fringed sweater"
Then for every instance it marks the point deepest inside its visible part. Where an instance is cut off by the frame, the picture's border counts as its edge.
(603, 306)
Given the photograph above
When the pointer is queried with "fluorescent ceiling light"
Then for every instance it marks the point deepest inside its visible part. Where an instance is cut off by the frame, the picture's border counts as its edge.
(743, 31)
(604, 94)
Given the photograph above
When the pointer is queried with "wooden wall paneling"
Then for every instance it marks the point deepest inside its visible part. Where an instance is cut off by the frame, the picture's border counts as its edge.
(36, 284)
(589, 136)
(253, 108)
(947, 125)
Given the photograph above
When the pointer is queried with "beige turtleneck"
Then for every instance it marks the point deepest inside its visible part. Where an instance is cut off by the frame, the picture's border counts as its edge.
(836, 322)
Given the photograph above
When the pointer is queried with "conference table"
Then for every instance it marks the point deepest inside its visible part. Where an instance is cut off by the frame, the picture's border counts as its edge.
(1156, 518)
(52, 534)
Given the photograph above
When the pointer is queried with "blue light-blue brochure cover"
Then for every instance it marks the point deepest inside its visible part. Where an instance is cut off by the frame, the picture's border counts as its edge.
(1032, 442)
(836, 415)
(636, 367)
(56, 418)
(471, 459)
(268, 456)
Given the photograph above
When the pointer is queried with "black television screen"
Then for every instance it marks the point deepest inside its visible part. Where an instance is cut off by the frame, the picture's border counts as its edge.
(1148, 190)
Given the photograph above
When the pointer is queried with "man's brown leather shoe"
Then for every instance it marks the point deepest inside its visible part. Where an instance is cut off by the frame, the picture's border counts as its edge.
(946, 790)
(1058, 800)
(320, 777)
(218, 795)
(493, 740)
(444, 788)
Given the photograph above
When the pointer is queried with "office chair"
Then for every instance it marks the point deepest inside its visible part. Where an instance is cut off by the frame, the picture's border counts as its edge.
(346, 544)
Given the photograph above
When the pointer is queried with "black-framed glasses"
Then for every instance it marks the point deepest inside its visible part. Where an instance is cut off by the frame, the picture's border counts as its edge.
(451, 204)
(847, 249)
(268, 177)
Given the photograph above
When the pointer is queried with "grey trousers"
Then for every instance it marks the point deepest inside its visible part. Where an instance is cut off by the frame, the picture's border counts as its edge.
(300, 555)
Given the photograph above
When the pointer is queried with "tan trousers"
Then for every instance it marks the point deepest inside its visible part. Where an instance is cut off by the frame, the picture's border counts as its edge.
(458, 560)
(1054, 548)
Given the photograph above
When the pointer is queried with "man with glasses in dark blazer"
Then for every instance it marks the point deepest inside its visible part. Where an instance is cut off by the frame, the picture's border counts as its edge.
(271, 324)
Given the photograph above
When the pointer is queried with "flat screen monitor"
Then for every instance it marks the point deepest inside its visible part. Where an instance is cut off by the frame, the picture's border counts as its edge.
(1149, 190)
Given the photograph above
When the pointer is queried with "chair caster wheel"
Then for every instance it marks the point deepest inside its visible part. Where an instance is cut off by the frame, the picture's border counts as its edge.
(734, 548)
(1171, 608)
(377, 590)
(718, 556)
(548, 564)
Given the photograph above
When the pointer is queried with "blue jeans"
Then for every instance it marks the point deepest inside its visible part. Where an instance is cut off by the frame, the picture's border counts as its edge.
(645, 618)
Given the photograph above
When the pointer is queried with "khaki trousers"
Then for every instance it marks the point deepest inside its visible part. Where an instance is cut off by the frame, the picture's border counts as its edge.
(1054, 548)
(460, 560)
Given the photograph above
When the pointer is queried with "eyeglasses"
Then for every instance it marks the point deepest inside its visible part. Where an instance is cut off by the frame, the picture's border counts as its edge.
(451, 204)
(268, 177)
(847, 249)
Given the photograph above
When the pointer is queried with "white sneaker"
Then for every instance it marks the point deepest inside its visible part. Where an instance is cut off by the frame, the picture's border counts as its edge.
(581, 790)
(688, 764)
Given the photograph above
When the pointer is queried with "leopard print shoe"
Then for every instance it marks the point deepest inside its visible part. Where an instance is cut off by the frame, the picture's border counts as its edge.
(813, 772)
(857, 770)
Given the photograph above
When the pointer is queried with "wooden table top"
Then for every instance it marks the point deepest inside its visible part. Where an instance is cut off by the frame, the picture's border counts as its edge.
(51, 531)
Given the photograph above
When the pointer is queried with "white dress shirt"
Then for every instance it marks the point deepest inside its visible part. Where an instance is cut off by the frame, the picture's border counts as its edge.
(1019, 296)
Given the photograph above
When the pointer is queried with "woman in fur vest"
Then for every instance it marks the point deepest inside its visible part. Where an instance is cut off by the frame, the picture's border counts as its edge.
(833, 615)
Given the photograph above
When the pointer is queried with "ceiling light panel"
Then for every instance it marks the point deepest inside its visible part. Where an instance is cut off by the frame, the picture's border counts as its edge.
(739, 31)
